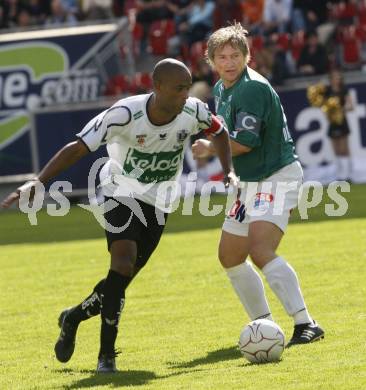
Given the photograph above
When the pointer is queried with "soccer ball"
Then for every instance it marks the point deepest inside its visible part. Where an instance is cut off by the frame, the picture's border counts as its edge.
(262, 341)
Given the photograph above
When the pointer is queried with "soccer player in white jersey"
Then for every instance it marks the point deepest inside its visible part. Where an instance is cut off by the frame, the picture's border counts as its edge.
(146, 136)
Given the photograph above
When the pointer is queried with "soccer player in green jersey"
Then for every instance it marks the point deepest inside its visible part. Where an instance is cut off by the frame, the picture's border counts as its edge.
(270, 177)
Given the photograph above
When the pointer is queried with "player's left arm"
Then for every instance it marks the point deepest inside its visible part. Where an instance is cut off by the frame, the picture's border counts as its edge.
(237, 149)
(250, 115)
(220, 144)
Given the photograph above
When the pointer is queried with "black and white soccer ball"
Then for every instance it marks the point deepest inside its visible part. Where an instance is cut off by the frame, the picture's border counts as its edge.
(262, 341)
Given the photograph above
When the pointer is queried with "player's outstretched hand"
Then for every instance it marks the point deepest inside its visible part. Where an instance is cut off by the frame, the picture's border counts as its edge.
(14, 196)
(232, 179)
(201, 148)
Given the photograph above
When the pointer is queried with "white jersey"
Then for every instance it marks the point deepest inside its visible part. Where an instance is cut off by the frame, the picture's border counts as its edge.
(145, 159)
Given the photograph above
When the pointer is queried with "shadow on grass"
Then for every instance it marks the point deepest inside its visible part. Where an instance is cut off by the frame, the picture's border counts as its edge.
(118, 379)
(249, 364)
(219, 355)
(79, 224)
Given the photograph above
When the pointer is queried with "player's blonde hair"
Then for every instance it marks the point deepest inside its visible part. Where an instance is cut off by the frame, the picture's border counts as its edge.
(234, 35)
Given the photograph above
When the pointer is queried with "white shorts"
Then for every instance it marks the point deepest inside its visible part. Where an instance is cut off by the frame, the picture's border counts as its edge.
(270, 200)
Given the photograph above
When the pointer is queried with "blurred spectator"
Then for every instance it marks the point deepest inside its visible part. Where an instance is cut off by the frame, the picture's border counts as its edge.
(60, 15)
(118, 8)
(72, 5)
(207, 168)
(10, 9)
(226, 12)
(38, 9)
(276, 16)
(307, 15)
(198, 22)
(335, 101)
(345, 12)
(202, 72)
(148, 12)
(193, 25)
(24, 18)
(97, 9)
(313, 57)
(298, 16)
(263, 61)
(179, 9)
(272, 62)
(252, 14)
(23, 14)
(339, 102)
(201, 90)
(2, 18)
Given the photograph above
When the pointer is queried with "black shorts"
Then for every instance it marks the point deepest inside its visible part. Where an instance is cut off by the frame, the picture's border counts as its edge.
(338, 131)
(132, 227)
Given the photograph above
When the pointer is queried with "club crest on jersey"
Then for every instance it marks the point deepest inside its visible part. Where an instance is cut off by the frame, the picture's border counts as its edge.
(141, 139)
(162, 137)
(182, 135)
(262, 200)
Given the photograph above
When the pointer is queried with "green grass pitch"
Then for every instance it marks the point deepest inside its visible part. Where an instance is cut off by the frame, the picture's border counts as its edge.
(181, 321)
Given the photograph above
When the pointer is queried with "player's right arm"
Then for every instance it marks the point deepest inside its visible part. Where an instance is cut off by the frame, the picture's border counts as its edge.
(63, 159)
(251, 110)
(250, 113)
(204, 148)
(96, 132)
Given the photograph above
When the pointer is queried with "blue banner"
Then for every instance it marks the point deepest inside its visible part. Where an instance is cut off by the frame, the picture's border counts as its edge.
(49, 68)
(309, 126)
(54, 129)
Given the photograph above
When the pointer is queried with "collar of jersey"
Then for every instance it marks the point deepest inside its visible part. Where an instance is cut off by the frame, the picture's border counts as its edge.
(229, 90)
(155, 127)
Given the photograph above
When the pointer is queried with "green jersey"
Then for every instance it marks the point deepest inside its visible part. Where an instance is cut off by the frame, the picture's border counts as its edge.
(253, 114)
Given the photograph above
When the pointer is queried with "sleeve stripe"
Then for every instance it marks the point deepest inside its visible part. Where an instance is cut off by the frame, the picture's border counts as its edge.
(219, 131)
(89, 130)
(120, 124)
(198, 119)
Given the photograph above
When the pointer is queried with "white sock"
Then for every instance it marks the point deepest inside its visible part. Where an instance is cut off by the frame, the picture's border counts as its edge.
(343, 165)
(283, 281)
(249, 287)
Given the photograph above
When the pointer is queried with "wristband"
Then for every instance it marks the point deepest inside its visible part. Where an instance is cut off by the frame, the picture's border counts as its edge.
(28, 185)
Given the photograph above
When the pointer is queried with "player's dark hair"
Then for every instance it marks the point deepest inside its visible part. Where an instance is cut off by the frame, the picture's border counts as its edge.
(164, 68)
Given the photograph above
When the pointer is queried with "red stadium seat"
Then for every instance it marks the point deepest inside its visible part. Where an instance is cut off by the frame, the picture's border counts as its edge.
(117, 85)
(257, 42)
(141, 83)
(160, 32)
(197, 52)
(283, 41)
(344, 12)
(350, 47)
(137, 31)
(361, 12)
(129, 5)
(297, 43)
(169, 27)
(361, 32)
